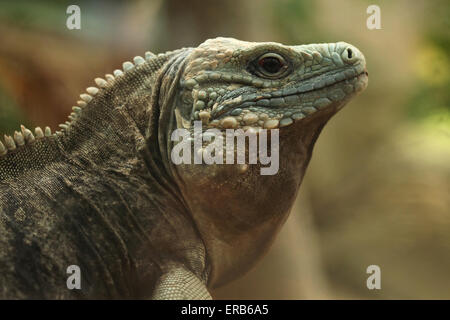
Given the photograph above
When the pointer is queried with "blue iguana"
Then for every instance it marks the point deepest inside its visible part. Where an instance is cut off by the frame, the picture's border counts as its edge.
(103, 193)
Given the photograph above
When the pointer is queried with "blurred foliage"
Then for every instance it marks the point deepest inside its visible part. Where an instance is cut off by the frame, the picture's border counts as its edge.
(431, 95)
(10, 115)
(292, 19)
(29, 14)
(377, 189)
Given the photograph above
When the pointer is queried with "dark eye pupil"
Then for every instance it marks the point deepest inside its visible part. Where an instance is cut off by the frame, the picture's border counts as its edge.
(270, 64)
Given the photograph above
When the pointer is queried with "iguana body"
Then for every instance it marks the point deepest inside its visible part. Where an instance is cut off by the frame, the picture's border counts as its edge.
(104, 194)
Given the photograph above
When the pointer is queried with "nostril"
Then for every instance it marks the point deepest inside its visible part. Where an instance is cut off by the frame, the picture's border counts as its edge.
(349, 53)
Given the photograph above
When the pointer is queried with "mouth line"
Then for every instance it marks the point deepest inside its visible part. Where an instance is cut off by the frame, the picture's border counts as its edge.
(278, 95)
(331, 84)
(325, 86)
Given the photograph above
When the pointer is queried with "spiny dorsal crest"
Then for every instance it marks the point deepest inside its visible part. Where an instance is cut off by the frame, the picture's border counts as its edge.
(25, 136)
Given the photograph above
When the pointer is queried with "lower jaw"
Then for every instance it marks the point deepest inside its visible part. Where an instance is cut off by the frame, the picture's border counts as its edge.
(331, 98)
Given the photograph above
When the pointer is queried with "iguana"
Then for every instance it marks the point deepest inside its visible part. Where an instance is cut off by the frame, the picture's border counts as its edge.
(103, 194)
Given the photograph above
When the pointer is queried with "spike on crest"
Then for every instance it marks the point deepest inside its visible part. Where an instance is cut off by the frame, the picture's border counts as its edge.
(39, 133)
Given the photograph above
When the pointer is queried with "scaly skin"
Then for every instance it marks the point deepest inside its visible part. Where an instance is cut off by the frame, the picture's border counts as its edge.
(104, 194)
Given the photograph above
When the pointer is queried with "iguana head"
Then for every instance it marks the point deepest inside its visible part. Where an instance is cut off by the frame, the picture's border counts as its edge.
(232, 84)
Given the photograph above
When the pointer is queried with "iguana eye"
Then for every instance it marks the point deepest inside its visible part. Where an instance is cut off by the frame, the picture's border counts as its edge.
(271, 65)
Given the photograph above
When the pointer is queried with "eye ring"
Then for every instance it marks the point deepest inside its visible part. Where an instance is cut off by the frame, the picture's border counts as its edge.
(271, 65)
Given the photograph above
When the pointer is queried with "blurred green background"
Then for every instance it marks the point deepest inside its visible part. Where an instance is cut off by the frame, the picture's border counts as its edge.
(377, 189)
